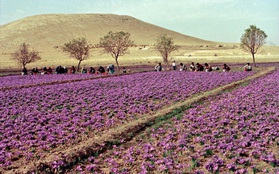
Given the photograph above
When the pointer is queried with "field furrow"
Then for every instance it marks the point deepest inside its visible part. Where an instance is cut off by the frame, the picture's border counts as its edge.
(234, 132)
(37, 121)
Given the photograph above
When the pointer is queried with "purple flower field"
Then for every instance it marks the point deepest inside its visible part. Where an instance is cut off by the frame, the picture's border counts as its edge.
(37, 119)
(32, 80)
(235, 132)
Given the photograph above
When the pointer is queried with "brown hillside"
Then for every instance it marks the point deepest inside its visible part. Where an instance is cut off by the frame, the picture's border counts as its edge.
(43, 32)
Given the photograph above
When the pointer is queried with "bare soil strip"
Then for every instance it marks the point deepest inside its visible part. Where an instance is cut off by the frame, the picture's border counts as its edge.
(103, 141)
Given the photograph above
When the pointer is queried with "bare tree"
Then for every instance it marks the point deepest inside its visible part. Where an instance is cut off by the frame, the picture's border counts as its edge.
(165, 46)
(252, 40)
(25, 56)
(116, 44)
(78, 49)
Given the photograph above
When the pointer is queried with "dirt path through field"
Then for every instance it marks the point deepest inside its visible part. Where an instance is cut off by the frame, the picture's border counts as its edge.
(103, 141)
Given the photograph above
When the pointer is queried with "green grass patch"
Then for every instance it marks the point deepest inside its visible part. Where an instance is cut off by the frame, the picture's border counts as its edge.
(194, 163)
(177, 113)
(208, 153)
(113, 142)
(15, 116)
(245, 83)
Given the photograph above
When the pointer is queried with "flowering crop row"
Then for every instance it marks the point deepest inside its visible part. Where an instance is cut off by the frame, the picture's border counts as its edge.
(32, 80)
(35, 120)
(235, 132)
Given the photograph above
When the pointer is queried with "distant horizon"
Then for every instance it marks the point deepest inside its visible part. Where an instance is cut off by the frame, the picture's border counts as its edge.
(212, 20)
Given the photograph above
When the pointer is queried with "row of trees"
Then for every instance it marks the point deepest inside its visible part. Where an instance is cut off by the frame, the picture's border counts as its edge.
(116, 44)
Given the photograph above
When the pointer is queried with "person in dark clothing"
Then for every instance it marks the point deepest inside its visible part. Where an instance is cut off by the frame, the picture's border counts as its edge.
(24, 71)
(110, 68)
(49, 70)
(124, 70)
(65, 70)
(83, 70)
(158, 67)
(35, 71)
(73, 70)
(92, 70)
(58, 70)
(199, 67)
(226, 68)
(101, 70)
(44, 71)
(248, 67)
(207, 67)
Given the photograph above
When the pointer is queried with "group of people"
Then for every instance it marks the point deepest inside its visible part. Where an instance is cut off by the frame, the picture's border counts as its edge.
(36, 71)
(64, 70)
(101, 70)
(111, 70)
(192, 67)
(199, 67)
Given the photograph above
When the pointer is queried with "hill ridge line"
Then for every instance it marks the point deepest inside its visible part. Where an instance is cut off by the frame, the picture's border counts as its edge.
(47, 30)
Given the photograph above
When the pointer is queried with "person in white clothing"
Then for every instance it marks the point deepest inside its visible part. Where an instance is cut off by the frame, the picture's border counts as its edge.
(174, 65)
(182, 67)
(192, 67)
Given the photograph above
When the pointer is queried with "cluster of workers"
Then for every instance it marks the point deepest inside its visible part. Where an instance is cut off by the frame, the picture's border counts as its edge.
(64, 70)
(110, 69)
(199, 67)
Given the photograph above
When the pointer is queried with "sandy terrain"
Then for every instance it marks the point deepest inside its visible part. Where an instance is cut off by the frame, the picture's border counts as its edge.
(147, 57)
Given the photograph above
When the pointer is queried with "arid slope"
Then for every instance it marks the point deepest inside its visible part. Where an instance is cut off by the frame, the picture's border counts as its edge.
(46, 31)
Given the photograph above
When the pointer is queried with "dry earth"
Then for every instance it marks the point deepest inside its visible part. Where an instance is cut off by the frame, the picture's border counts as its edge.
(148, 56)
(45, 32)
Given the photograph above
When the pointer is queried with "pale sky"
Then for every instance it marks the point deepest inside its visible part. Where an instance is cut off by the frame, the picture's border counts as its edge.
(214, 20)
